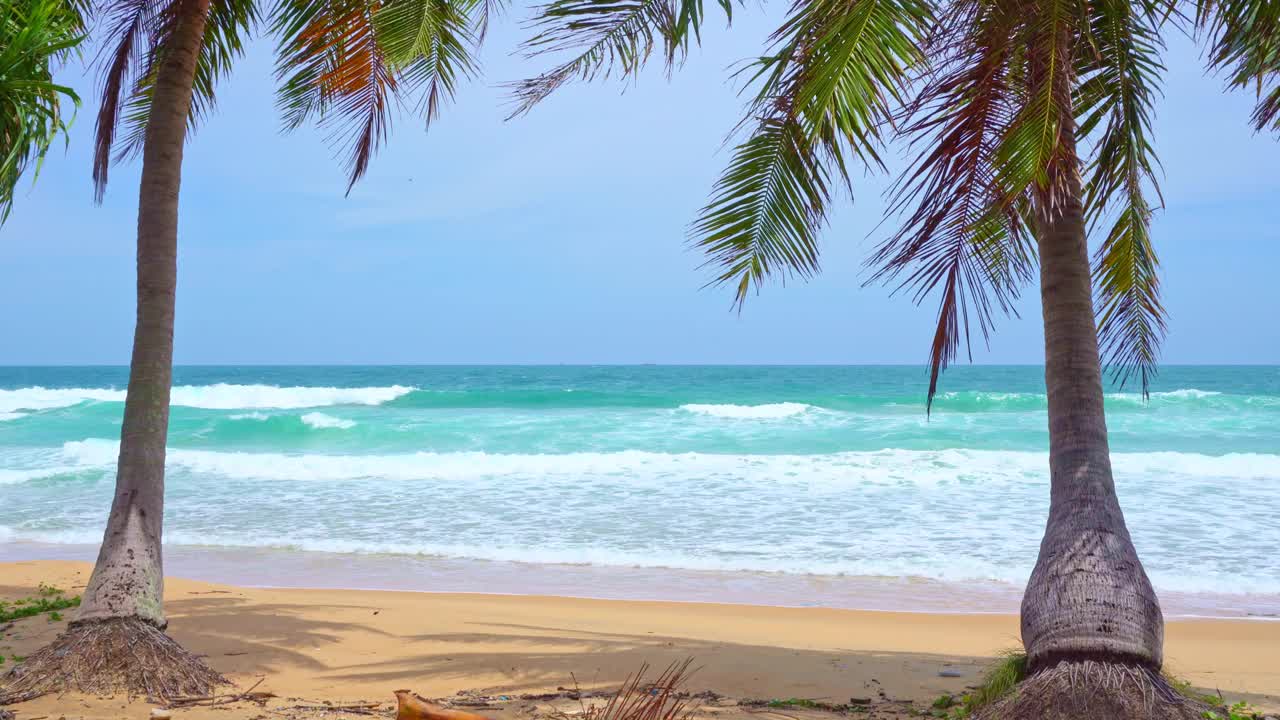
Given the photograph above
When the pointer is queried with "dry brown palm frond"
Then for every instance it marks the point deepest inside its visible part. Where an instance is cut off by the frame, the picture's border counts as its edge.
(661, 699)
(1093, 689)
(104, 657)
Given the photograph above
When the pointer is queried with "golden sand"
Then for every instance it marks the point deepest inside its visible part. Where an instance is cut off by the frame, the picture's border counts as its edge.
(341, 646)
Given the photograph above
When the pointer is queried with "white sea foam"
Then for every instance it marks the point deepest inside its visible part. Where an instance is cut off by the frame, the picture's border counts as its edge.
(52, 467)
(499, 551)
(771, 411)
(1192, 393)
(256, 416)
(870, 562)
(230, 397)
(321, 421)
(13, 477)
(215, 397)
(892, 467)
(946, 514)
(1181, 394)
(989, 396)
(39, 398)
(1125, 397)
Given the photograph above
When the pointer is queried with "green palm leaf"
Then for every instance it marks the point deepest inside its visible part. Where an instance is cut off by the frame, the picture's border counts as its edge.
(607, 36)
(1119, 86)
(129, 26)
(766, 209)
(228, 27)
(427, 43)
(351, 63)
(1243, 39)
(967, 236)
(1031, 154)
(826, 93)
(34, 36)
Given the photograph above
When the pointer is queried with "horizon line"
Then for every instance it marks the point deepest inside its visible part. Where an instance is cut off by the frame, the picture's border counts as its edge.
(598, 364)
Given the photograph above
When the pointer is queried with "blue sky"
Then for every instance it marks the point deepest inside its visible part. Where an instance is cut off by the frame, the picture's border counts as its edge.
(559, 237)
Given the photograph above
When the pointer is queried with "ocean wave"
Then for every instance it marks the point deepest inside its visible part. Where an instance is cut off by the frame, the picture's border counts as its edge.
(537, 398)
(1181, 396)
(948, 514)
(16, 403)
(14, 477)
(221, 396)
(11, 476)
(231, 397)
(320, 421)
(1186, 393)
(1191, 398)
(922, 467)
(39, 398)
(770, 411)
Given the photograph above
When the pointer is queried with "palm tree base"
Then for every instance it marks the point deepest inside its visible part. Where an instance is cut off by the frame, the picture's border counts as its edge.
(107, 657)
(1091, 690)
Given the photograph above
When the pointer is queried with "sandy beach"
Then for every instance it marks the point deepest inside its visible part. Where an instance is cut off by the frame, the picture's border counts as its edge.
(309, 647)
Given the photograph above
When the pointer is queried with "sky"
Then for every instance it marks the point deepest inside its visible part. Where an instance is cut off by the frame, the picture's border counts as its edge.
(560, 237)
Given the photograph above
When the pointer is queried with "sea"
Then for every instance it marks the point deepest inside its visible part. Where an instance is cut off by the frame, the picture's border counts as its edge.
(798, 486)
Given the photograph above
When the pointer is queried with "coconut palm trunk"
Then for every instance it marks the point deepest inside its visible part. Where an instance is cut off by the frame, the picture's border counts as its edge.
(128, 579)
(991, 97)
(1088, 597)
(164, 59)
(117, 641)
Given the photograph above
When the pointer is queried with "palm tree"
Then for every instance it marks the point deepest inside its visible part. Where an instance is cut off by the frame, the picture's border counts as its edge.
(34, 36)
(1032, 123)
(348, 64)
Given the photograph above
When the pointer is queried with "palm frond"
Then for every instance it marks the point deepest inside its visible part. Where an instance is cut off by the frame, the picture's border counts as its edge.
(1131, 319)
(228, 27)
(1243, 39)
(766, 209)
(129, 26)
(481, 14)
(364, 88)
(1267, 111)
(1120, 84)
(607, 36)
(967, 235)
(827, 93)
(349, 63)
(428, 45)
(333, 67)
(34, 36)
(851, 66)
(302, 57)
(1032, 155)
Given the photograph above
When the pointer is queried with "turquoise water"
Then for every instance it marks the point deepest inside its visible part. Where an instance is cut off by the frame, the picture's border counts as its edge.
(796, 470)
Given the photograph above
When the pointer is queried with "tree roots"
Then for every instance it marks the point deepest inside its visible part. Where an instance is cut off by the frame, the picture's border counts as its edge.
(1093, 690)
(106, 657)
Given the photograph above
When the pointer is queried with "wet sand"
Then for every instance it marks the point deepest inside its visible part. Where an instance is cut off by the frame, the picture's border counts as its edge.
(336, 571)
